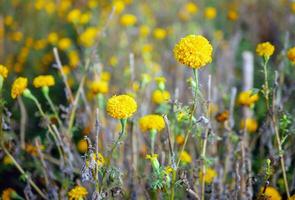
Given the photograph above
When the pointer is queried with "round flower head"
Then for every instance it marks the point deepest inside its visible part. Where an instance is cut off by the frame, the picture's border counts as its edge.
(3, 71)
(247, 98)
(77, 193)
(121, 106)
(151, 122)
(271, 193)
(159, 96)
(18, 86)
(291, 55)
(185, 157)
(43, 81)
(250, 124)
(194, 51)
(265, 49)
(210, 13)
(128, 20)
(210, 174)
(99, 87)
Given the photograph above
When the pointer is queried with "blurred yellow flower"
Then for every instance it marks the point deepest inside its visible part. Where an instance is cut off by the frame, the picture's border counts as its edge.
(16, 36)
(250, 123)
(7, 160)
(82, 146)
(7, 194)
(128, 20)
(18, 86)
(33, 150)
(92, 3)
(8, 20)
(271, 193)
(52, 38)
(119, 6)
(43, 81)
(291, 55)
(3, 71)
(85, 18)
(210, 13)
(247, 98)
(74, 16)
(160, 97)
(105, 76)
(113, 61)
(77, 193)
(194, 51)
(292, 7)
(210, 174)
(191, 7)
(135, 86)
(151, 122)
(50, 7)
(265, 49)
(64, 43)
(121, 106)
(99, 87)
(74, 59)
(232, 15)
(144, 30)
(179, 139)
(159, 33)
(185, 157)
(88, 37)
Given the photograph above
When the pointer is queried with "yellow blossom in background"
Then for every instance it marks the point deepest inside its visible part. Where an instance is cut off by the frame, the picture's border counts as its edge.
(113, 61)
(74, 58)
(43, 80)
(50, 7)
(92, 3)
(8, 20)
(85, 18)
(128, 20)
(247, 98)
(179, 139)
(74, 16)
(64, 43)
(135, 86)
(105, 76)
(77, 193)
(82, 146)
(210, 13)
(250, 123)
(210, 174)
(159, 96)
(7, 160)
(291, 55)
(121, 106)
(144, 30)
(191, 8)
(147, 48)
(40, 44)
(66, 69)
(194, 51)
(18, 86)
(33, 150)
(7, 194)
(232, 15)
(292, 7)
(16, 36)
(159, 33)
(99, 87)
(271, 193)
(185, 157)
(151, 122)
(119, 6)
(222, 116)
(52, 38)
(3, 71)
(265, 49)
(88, 37)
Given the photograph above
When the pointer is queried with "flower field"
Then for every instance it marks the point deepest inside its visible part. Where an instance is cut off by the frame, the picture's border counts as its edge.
(147, 99)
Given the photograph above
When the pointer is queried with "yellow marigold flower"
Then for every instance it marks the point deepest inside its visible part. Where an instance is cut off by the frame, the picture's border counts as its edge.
(119, 6)
(52, 38)
(232, 15)
(222, 116)
(159, 33)
(3, 71)
(82, 146)
(128, 20)
(291, 55)
(77, 193)
(87, 38)
(194, 51)
(7, 194)
(74, 59)
(74, 16)
(85, 18)
(99, 86)
(265, 49)
(179, 139)
(210, 13)
(64, 43)
(151, 122)
(210, 174)
(159, 96)
(185, 157)
(43, 81)
(50, 7)
(191, 7)
(247, 98)
(250, 123)
(18, 86)
(147, 48)
(121, 106)
(144, 30)
(271, 193)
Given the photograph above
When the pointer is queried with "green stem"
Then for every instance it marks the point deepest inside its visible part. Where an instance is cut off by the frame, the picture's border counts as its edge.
(153, 134)
(266, 87)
